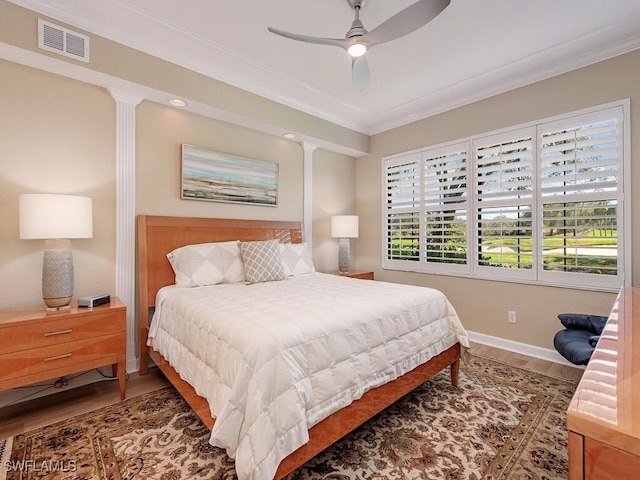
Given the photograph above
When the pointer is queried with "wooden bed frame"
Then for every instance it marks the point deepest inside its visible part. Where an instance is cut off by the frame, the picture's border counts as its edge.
(158, 235)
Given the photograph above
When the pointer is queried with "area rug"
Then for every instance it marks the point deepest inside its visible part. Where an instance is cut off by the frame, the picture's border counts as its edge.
(502, 422)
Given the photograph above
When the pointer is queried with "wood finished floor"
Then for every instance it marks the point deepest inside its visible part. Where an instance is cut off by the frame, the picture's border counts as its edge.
(529, 363)
(43, 411)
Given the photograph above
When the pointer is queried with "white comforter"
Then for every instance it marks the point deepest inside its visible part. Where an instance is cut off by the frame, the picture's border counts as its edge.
(273, 359)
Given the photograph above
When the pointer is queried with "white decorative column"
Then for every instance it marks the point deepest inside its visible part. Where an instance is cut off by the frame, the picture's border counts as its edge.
(126, 212)
(307, 213)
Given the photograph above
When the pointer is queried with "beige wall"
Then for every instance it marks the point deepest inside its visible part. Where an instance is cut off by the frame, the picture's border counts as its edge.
(483, 305)
(56, 136)
(160, 133)
(334, 180)
(60, 138)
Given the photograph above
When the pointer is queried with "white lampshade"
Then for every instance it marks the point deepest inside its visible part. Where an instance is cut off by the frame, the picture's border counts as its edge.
(344, 226)
(49, 216)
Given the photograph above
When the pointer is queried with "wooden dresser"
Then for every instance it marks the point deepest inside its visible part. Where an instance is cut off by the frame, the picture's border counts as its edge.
(37, 345)
(603, 418)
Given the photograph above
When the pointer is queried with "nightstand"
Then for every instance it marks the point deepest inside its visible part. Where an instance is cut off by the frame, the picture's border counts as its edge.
(364, 275)
(37, 345)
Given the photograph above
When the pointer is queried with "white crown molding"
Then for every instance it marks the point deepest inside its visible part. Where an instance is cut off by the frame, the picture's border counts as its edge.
(591, 49)
(130, 92)
(217, 61)
(212, 60)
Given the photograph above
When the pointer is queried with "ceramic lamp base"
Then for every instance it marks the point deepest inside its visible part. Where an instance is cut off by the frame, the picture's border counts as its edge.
(57, 274)
(344, 256)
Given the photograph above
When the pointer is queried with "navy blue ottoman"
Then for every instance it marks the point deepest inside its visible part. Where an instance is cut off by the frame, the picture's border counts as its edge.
(577, 342)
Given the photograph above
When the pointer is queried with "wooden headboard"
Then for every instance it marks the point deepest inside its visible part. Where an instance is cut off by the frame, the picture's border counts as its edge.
(159, 235)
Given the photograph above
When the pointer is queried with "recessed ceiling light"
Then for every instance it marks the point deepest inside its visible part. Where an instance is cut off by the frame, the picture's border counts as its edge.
(176, 102)
(289, 135)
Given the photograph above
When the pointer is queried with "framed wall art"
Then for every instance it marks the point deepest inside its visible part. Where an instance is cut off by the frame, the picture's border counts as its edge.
(222, 177)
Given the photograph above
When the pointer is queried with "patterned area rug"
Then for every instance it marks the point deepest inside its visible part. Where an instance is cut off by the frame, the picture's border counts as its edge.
(502, 422)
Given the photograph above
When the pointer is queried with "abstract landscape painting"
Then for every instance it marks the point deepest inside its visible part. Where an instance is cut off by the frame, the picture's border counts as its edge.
(221, 177)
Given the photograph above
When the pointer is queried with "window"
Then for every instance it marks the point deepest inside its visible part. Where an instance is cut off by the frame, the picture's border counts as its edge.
(540, 203)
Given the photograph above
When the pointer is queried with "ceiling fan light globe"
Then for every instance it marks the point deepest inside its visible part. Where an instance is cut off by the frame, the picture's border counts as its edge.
(357, 50)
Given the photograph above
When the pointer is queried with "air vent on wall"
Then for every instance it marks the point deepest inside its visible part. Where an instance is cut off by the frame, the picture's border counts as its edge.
(54, 38)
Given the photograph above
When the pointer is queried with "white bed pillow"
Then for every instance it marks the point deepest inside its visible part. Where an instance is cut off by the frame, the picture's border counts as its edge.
(296, 259)
(207, 264)
(262, 261)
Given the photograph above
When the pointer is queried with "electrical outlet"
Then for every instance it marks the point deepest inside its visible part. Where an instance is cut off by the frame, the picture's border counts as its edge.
(511, 316)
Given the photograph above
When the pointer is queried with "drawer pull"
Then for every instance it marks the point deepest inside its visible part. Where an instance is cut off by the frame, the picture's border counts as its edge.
(60, 332)
(57, 357)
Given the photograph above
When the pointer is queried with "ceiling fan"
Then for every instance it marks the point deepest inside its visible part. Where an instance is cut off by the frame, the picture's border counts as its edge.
(358, 40)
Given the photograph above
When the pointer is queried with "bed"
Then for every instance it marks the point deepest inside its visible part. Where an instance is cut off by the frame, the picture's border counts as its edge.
(270, 359)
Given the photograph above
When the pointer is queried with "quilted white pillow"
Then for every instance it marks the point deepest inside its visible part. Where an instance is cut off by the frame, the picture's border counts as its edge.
(296, 259)
(262, 261)
(207, 264)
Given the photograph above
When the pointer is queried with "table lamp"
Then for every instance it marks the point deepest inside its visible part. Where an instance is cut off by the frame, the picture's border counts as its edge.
(56, 219)
(344, 227)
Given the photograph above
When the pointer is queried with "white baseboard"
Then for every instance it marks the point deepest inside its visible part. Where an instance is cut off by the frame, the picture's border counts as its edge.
(133, 365)
(518, 347)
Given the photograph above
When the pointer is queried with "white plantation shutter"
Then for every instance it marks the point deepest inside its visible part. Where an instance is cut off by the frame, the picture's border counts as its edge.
(426, 224)
(446, 208)
(581, 190)
(580, 158)
(504, 193)
(504, 170)
(402, 195)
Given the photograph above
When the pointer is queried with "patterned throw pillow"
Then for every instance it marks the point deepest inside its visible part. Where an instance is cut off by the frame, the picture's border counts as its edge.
(207, 264)
(296, 259)
(262, 261)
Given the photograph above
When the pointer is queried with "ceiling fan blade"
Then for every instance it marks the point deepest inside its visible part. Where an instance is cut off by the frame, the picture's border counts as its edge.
(360, 72)
(338, 42)
(406, 21)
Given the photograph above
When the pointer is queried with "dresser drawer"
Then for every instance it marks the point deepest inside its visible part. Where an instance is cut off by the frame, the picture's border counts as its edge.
(603, 462)
(28, 362)
(67, 329)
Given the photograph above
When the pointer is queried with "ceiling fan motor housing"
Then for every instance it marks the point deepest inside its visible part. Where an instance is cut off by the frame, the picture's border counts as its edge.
(357, 29)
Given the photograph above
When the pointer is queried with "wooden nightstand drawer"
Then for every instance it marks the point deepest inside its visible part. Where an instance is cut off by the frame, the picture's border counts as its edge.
(55, 331)
(37, 345)
(28, 362)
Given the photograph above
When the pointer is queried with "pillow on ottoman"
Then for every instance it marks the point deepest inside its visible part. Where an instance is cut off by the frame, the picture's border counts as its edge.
(573, 344)
(590, 323)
